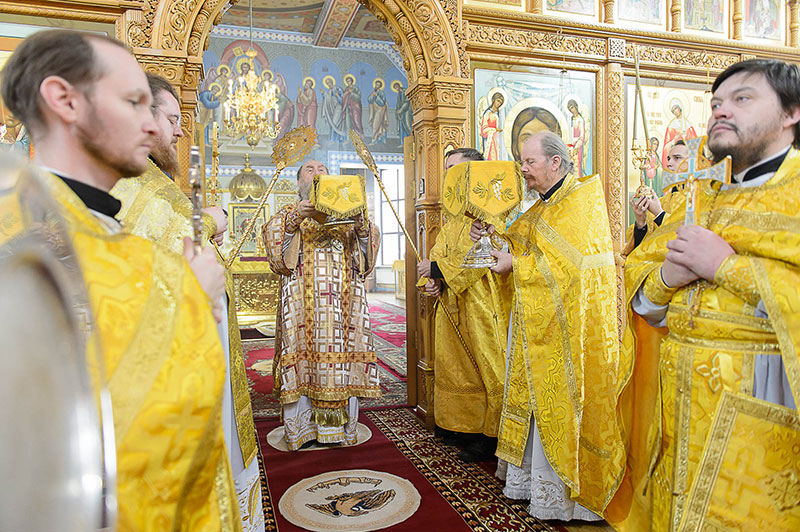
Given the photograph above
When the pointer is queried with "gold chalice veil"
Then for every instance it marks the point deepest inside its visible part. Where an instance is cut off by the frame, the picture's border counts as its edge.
(487, 191)
(339, 196)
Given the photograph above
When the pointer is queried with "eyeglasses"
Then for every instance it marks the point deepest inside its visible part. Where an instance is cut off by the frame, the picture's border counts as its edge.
(174, 120)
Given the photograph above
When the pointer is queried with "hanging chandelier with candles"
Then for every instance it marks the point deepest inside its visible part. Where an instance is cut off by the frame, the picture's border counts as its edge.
(251, 108)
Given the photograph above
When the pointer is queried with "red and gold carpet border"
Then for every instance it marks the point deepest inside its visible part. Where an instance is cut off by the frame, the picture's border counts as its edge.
(475, 493)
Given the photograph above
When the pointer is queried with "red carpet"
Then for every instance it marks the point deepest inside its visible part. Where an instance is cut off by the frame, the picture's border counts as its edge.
(456, 496)
(285, 469)
(389, 337)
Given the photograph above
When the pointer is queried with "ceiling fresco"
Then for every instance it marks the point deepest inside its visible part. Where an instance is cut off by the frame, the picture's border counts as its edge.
(341, 18)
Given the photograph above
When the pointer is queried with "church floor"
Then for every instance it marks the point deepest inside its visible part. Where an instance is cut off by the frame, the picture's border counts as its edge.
(451, 495)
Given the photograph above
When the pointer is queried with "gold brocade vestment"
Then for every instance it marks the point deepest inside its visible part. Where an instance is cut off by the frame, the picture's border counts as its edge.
(154, 207)
(468, 389)
(165, 372)
(564, 367)
(689, 463)
(323, 341)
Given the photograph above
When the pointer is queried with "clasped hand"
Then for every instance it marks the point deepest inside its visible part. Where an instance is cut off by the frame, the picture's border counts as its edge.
(642, 204)
(696, 253)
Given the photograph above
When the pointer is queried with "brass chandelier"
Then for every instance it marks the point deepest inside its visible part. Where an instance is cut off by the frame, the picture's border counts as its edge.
(251, 108)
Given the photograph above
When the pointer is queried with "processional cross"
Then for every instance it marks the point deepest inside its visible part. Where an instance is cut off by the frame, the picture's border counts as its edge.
(694, 168)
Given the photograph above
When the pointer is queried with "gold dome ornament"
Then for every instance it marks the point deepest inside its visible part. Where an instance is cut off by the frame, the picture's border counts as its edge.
(247, 185)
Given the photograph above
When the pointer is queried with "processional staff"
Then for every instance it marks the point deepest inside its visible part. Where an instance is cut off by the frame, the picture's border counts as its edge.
(369, 162)
(640, 153)
(197, 198)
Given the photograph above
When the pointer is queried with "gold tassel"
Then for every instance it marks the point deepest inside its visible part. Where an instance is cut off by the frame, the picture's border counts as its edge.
(329, 417)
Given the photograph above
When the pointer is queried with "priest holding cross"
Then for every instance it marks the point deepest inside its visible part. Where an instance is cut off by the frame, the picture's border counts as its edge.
(712, 422)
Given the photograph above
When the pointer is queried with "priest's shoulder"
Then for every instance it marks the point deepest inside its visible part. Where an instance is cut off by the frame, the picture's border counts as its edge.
(588, 179)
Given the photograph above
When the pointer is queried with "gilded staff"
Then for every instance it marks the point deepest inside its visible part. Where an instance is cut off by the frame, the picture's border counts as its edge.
(213, 181)
(293, 147)
(369, 162)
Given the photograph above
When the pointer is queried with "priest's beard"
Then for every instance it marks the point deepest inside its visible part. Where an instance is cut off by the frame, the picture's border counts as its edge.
(305, 190)
(164, 156)
(94, 134)
(752, 145)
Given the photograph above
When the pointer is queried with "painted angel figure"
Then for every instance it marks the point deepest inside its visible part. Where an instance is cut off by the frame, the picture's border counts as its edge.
(490, 130)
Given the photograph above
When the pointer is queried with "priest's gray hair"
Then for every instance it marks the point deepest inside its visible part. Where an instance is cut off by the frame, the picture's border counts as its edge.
(553, 146)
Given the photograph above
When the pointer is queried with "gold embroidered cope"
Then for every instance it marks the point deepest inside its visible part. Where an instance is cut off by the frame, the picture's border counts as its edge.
(154, 207)
(165, 370)
(468, 388)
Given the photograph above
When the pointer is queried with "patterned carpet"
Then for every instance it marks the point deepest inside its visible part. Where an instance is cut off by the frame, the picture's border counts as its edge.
(456, 496)
(389, 336)
(471, 489)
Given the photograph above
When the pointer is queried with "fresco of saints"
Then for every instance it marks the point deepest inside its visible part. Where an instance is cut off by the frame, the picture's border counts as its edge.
(403, 111)
(491, 128)
(285, 105)
(351, 106)
(578, 135)
(212, 98)
(378, 112)
(332, 109)
(307, 104)
(679, 128)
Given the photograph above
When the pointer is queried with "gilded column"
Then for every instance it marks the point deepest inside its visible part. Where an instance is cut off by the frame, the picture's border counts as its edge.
(675, 11)
(738, 16)
(615, 135)
(441, 114)
(608, 11)
(535, 6)
(615, 169)
(794, 23)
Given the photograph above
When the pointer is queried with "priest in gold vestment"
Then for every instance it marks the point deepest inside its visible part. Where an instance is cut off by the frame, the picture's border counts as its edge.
(713, 423)
(324, 355)
(154, 207)
(560, 439)
(87, 104)
(468, 387)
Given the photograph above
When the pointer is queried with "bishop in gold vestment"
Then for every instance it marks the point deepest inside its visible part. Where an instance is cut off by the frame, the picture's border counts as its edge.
(714, 430)
(324, 356)
(559, 429)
